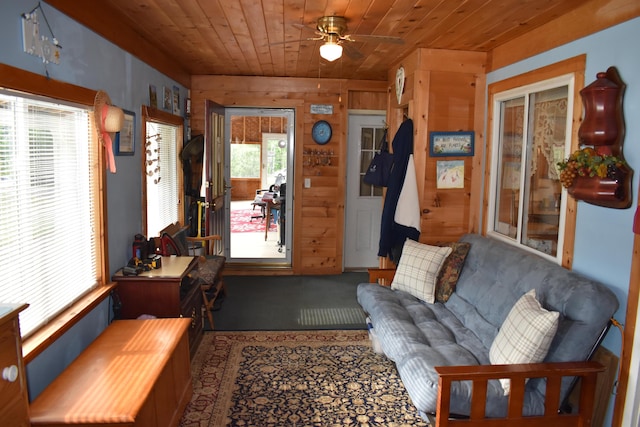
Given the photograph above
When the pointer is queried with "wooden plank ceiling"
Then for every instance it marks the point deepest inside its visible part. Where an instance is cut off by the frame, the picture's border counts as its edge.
(268, 37)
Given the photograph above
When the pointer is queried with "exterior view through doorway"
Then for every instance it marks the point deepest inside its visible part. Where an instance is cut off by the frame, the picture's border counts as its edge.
(259, 148)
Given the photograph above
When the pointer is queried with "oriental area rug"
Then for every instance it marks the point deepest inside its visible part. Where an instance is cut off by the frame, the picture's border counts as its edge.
(240, 221)
(301, 378)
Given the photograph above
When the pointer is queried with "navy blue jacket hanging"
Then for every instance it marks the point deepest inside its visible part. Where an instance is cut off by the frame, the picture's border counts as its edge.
(392, 234)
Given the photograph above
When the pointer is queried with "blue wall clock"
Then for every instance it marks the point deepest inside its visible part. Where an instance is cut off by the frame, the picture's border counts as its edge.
(321, 132)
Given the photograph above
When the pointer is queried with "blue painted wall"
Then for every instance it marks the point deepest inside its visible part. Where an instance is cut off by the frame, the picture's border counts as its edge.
(89, 61)
(604, 237)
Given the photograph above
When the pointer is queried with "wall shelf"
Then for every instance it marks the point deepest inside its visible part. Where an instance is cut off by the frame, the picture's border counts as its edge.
(603, 129)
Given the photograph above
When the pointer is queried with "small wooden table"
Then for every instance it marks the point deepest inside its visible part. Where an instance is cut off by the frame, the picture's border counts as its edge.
(165, 292)
(136, 373)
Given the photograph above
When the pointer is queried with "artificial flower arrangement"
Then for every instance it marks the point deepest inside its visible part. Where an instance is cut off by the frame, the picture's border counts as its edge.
(587, 162)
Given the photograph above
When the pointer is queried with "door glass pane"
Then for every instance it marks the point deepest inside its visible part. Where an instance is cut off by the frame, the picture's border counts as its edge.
(509, 167)
(546, 147)
(370, 138)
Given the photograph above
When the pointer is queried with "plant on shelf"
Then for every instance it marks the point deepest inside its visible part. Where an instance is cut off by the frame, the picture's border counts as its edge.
(587, 162)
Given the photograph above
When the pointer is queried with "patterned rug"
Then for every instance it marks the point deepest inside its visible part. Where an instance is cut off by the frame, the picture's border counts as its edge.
(240, 221)
(306, 378)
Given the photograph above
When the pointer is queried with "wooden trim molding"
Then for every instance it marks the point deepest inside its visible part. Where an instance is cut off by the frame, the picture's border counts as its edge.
(629, 333)
(36, 343)
(25, 81)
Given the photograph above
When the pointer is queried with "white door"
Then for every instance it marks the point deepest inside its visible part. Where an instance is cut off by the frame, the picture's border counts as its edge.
(364, 202)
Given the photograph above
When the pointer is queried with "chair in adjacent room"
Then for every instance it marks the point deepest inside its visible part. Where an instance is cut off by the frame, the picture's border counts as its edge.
(258, 202)
(175, 241)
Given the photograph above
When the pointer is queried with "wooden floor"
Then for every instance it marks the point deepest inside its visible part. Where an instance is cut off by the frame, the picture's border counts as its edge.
(253, 245)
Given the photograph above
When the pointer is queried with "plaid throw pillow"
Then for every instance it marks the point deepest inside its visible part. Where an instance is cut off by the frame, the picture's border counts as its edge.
(418, 269)
(525, 335)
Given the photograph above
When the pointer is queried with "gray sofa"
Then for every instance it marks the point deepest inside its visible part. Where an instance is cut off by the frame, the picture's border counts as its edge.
(419, 337)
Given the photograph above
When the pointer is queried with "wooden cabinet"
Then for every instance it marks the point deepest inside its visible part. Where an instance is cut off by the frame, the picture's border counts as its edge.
(135, 374)
(14, 403)
(165, 292)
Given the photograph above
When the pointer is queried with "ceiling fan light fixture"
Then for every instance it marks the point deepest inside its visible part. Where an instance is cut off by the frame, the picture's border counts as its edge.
(330, 51)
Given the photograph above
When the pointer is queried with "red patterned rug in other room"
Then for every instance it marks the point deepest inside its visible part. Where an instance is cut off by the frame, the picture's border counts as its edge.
(241, 221)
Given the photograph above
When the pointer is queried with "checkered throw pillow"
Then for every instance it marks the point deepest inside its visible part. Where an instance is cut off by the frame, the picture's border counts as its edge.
(525, 335)
(418, 269)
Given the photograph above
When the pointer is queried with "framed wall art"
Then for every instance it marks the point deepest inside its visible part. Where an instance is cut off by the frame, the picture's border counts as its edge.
(167, 98)
(451, 144)
(125, 139)
(450, 174)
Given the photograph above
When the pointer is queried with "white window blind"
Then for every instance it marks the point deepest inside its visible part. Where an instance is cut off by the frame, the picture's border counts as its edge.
(161, 176)
(47, 212)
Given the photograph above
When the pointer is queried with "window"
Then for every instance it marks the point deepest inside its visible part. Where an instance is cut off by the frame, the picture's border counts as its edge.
(50, 206)
(532, 133)
(274, 154)
(245, 160)
(162, 171)
(370, 139)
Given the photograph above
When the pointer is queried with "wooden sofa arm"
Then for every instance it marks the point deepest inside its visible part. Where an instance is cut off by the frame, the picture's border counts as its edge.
(382, 276)
(553, 372)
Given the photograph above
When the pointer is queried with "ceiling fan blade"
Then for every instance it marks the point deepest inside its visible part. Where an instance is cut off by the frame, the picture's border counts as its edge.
(372, 38)
(296, 41)
(307, 28)
(352, 52)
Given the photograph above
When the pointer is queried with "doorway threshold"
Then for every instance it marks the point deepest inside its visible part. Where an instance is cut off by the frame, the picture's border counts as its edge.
(257, 269)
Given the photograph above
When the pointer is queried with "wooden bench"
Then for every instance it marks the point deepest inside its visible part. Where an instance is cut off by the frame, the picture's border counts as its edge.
(136, 373)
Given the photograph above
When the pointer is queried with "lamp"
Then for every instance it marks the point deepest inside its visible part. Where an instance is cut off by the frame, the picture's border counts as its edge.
(331, 50)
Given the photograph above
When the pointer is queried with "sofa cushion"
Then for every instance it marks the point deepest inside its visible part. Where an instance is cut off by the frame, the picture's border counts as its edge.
(418, 269)
(525, 335)
(418, 336)
(450, 271)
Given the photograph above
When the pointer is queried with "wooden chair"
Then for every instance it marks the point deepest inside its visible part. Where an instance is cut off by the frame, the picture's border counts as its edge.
(175, 241)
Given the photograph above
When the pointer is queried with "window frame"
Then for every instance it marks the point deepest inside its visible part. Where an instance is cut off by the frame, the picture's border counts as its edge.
(25, 81)
(574, 66)
(150, 114)
(527, 94)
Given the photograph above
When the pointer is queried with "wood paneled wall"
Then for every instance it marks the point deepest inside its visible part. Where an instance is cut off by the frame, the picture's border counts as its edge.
(318, 219)
(444, 91)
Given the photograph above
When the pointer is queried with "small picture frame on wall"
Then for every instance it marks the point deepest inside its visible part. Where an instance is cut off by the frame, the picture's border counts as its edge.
(166, 98)
(176, 100)
(125, 139)
(449, 174)
(153, 96)
(451, 144)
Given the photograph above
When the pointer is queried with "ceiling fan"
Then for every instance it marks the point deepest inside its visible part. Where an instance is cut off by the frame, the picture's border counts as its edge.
(332, 29)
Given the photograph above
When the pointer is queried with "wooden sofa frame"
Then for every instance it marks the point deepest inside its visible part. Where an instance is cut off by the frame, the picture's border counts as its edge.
(586, 371)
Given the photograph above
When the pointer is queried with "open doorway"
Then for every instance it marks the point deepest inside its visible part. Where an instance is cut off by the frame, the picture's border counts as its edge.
(259, 169)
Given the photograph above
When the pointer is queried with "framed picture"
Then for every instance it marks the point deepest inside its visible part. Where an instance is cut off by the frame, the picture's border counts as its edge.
(450, 174)
(450, 144)
(153, 96)
(125, 139)
(176, 100)
(167, 98)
